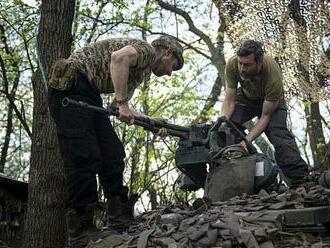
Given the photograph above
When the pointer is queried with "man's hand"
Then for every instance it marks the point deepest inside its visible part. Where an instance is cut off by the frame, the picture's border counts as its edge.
(162, 132)
(244, 145)
(125, 114)
(223, 125)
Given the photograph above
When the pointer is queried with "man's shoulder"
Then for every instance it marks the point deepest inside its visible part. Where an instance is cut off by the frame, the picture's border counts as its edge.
(121, 41)
(231, 65)
(141, 46)
(271, 67)
(269, 61)
(232, 60)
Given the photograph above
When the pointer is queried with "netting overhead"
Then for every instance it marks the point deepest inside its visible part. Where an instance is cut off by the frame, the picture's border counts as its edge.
(296, 33)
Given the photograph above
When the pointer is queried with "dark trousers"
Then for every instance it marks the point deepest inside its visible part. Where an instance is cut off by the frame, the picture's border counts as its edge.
(287, 154)
(89, 146)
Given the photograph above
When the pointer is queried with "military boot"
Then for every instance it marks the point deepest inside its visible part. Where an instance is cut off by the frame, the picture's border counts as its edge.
(295, 176)
(120, 213)
(296, 181)
(81, 228)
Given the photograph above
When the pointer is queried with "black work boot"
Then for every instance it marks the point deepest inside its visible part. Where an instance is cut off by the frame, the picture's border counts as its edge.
(81, 228)
(296, 176)
(297, 180)
(120, 213)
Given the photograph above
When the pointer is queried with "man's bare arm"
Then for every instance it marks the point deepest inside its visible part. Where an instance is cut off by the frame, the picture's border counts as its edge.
(268, 109)
(228, 106)
(121, 61)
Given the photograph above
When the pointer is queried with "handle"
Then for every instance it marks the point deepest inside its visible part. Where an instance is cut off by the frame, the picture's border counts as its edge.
(222, 119)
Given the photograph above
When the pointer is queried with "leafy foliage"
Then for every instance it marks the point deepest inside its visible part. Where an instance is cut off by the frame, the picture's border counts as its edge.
(18, 28)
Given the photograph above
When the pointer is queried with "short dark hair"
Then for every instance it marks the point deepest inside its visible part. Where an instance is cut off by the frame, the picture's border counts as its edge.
(251, 47)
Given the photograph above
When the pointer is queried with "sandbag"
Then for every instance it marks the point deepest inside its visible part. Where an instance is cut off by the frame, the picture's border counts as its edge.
(266, 174)
(230, 177)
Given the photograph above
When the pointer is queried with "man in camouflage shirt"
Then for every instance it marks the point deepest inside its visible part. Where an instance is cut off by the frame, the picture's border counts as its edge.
(88, 143)
(261, 94)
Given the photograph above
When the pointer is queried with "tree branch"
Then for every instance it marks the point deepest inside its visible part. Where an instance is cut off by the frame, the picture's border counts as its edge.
(11, 99)
(190, 23)
(11, 94)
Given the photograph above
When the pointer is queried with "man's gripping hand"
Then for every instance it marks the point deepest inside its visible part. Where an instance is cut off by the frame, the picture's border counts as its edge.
(244, 145)
(162, 132)
(125, 113)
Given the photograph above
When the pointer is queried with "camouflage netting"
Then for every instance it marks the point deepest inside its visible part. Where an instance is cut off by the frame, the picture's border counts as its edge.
(225, 224)
(296, 33)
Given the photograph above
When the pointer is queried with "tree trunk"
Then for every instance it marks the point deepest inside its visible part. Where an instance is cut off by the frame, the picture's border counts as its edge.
(326, 161)
(5, 146)
(217, 56)
(45, 225)
(10, 93)
(219, 81)
(312, 111)
(153, 198)
(315, 132)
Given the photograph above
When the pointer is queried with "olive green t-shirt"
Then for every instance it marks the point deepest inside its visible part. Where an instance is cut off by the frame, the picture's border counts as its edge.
(267, 85)
(94, 61)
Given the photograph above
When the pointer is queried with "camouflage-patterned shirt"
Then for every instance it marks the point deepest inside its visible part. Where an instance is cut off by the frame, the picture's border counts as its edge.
(94, 61)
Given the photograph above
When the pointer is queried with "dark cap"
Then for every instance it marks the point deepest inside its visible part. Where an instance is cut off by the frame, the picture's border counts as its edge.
(174, 45)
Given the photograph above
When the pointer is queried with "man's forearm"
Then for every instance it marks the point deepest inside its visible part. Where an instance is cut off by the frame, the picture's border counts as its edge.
(119, 76)
(268, 109)
(227, 109)
(258, 128)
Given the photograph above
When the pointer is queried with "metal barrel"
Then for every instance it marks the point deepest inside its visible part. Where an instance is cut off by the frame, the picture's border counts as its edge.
(142, 121)
(160, 124)
(110, 111)
(171, 132)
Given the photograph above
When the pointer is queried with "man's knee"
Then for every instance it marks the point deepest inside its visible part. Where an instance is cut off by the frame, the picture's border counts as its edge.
(287, 153)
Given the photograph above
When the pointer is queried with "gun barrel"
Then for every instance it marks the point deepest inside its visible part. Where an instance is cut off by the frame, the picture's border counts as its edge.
(142, 121)
(155, 128)
(110, 111)
(160, 124)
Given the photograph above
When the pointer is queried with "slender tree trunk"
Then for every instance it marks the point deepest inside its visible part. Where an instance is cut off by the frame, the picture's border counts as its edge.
(217, 56)
(315, 132)
(220, 80)
(153, 198)
(312, 110)
(45, 225)
(5, 146)
(10, 93)
(326, 161)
